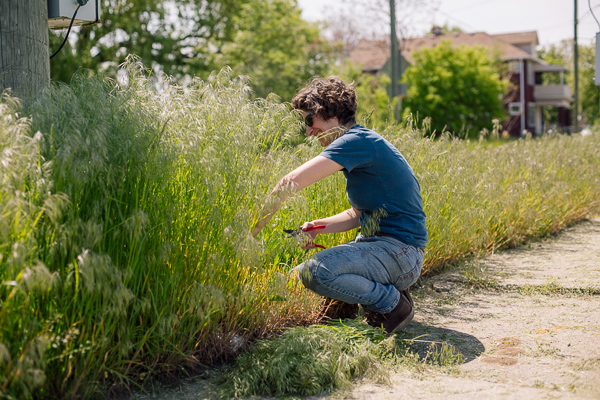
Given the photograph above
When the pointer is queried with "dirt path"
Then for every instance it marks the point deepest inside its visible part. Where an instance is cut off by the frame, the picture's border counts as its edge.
(527, 321)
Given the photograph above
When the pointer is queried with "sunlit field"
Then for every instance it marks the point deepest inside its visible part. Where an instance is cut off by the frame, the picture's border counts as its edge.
(125, 221)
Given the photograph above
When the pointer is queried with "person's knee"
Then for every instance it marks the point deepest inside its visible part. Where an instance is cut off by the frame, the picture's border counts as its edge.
(307, 272)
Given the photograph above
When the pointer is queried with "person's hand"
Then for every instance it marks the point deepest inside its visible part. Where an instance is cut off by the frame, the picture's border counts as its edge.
(309, 236)
(259, 226)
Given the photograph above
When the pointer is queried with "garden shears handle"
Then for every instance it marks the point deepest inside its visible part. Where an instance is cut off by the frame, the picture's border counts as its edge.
(299, 233)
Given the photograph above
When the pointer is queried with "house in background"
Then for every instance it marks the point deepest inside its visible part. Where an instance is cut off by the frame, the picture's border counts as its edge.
(527, 95)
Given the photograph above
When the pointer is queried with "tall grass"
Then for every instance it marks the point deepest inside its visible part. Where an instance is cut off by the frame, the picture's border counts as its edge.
(480, 197)
(125, 220)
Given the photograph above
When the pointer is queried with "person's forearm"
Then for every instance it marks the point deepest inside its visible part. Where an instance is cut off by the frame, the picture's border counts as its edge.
(305, 175)
(282, 191)
(342, 222)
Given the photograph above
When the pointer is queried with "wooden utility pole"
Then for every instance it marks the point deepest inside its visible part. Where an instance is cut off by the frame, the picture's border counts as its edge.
(24, 54)
(575, 122)
(394, 62)
(394, 50)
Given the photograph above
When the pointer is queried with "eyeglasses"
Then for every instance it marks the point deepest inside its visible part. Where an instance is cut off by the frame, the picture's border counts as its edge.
(308, 120)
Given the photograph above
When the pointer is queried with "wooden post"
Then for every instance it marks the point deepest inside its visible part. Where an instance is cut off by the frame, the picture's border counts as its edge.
(394, 62)
(575, 122)
(24, 53)
(393, 50)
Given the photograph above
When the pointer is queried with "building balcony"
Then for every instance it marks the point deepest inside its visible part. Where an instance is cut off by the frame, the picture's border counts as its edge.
(552, 95)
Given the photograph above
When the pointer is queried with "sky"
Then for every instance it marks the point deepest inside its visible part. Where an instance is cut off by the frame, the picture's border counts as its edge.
(552, 19)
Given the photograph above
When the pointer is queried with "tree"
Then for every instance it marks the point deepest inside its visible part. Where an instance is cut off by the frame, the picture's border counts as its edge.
(458, 87)
(24, 58)
(375, 110)
(445, 29)
(588, 91)
(562, 54)
(275, 48)
(265, 40)
(177, 38)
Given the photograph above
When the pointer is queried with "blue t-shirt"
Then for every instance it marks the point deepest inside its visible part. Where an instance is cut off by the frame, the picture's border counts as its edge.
(381, 185)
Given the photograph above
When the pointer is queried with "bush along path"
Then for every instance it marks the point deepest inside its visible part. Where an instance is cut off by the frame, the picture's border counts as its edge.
(522, 323)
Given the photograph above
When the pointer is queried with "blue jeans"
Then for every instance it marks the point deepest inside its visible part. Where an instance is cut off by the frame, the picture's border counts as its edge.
(370, 271)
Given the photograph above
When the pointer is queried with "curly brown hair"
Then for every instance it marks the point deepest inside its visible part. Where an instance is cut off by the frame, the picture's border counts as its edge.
(329, 98)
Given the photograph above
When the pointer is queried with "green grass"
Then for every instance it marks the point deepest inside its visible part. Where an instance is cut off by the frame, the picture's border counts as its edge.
(323, 358)
(125, 219)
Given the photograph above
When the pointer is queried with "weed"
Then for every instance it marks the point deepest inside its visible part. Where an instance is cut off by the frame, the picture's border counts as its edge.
(546, 350)
(539, 384)
(320, 358)
(477, 277)
(590, 364)
(552, 288)
(444, 355)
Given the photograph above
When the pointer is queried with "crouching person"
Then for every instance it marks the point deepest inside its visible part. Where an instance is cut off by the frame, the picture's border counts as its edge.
(378, 267)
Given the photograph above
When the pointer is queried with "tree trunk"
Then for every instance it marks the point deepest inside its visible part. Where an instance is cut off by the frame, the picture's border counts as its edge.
(24, 54)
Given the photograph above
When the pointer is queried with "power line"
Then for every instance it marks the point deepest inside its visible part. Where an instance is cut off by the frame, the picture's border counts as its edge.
(592, 12)
(588, 12)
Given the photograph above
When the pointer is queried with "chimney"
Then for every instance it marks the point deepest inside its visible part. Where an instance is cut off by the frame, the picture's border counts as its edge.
(437, 31)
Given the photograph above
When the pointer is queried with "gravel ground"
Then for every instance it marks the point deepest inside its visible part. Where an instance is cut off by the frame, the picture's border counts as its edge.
(527, 321)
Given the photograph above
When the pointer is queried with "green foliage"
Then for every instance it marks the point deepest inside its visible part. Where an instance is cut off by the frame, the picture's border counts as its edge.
(135, 225)
(265, 40)
(445, 29)
(459, 88)
(562, 54)
(374, 107)
(177, 37)
(589, 93)
(480, 197)
(275, 48)
(125, 215)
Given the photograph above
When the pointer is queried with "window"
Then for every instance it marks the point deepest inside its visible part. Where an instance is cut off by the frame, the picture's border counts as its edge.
(514, 109)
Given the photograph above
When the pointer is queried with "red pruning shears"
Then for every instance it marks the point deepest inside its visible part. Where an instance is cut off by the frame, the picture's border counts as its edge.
(299, 234)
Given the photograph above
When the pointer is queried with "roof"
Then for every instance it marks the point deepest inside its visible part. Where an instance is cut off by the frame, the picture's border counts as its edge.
(371, 54)
(517, 38)
(374, 54)
(507, 51)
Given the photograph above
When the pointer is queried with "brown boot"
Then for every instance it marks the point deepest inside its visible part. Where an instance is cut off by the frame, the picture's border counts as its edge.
(398, 318)
(406, 293)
